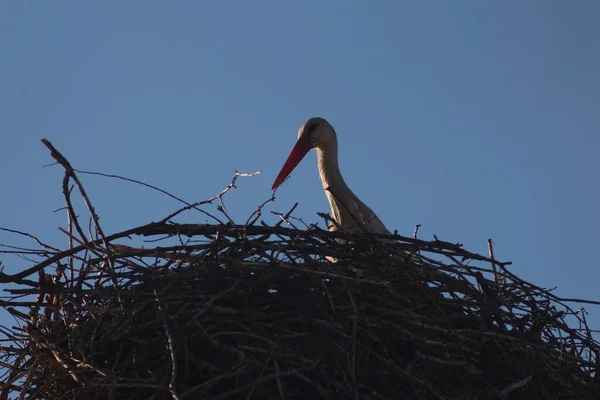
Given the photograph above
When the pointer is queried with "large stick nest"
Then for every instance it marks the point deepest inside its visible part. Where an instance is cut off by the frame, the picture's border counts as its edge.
(248, 311)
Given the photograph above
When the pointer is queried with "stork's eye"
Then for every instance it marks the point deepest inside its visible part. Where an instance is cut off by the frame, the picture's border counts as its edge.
(312, 128)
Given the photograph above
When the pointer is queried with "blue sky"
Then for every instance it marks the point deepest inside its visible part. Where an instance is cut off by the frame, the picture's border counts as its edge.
(475, 119)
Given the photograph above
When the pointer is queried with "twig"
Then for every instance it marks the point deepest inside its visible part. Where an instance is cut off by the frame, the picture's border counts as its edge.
(170, 348)
(70, 172)
(209, 200)
(416, 230)
(513, 386)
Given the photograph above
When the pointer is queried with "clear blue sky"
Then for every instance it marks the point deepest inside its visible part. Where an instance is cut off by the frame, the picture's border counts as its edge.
(475, 119)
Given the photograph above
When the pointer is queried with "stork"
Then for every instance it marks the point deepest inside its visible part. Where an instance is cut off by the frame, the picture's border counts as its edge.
(347, 211)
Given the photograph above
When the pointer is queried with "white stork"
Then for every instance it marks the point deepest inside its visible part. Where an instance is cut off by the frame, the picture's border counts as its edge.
(347, 211)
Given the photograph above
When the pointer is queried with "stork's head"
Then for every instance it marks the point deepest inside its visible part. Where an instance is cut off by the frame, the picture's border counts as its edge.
(318, 132)
(314, 133)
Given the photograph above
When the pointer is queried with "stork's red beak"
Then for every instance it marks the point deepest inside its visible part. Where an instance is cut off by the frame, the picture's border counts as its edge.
(301, 148)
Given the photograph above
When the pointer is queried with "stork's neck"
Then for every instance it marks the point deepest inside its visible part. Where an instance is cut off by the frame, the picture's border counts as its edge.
(329, 171)
(346, 209)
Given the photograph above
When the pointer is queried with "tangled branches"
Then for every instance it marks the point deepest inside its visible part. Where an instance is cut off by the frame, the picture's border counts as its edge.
(245, 311)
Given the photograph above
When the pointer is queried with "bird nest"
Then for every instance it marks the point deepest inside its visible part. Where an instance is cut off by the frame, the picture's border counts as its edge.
(250, 311)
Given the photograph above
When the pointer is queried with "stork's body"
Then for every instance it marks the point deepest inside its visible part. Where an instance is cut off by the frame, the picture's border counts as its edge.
(347, 211)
